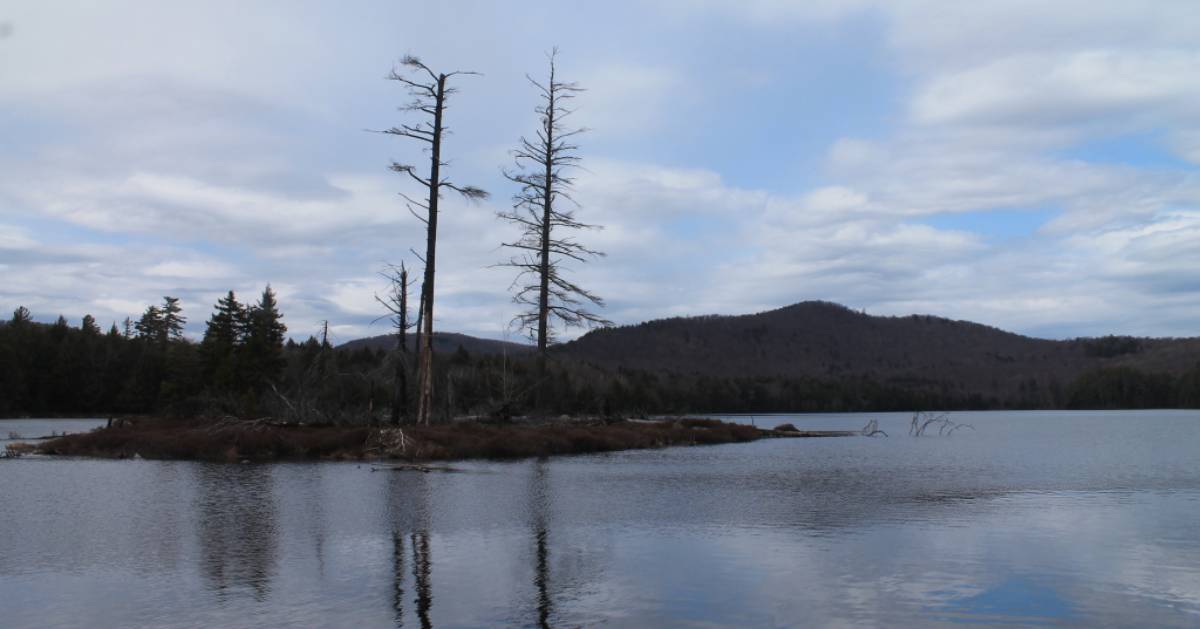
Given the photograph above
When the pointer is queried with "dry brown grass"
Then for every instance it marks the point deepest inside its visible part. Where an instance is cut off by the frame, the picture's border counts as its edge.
(20, 448)
(233, 441)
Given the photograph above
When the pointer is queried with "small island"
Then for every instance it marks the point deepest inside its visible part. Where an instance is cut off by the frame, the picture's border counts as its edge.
(234, 440)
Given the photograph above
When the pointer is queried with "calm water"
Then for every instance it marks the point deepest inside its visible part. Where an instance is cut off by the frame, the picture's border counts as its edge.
(27, 429)
(1034, 518)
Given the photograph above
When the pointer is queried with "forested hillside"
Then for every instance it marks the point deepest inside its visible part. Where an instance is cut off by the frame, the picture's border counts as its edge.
(808, 357)
(829, 342)
(443, 342)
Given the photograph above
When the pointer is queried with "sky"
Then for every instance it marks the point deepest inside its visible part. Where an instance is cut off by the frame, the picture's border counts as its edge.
(1027, 165)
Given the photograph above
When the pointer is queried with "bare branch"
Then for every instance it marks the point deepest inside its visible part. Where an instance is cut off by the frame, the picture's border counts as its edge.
(470, 192)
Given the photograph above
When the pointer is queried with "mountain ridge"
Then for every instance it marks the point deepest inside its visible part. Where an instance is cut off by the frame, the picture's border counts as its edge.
(817, 339)
(825, 341)
(443, 342)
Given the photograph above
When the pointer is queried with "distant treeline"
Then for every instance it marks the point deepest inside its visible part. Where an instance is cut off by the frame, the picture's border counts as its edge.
(244, 367)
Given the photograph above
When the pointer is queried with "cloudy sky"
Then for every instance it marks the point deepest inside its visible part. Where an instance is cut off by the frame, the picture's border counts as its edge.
(1030, 165)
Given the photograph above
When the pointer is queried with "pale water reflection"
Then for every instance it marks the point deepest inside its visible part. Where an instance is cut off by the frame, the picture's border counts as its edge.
(1034, 518)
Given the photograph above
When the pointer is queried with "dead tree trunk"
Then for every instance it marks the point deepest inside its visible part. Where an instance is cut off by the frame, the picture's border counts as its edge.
(429, 91)
(396, 304)
(542, 172)
(548, 129)
(425, 385)
(400, 404)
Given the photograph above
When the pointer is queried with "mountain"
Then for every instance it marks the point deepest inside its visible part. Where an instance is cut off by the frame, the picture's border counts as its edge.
(443, 342)
(829, 341)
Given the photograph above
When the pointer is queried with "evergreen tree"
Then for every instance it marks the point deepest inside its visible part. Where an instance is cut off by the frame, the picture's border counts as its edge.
(263, 346)
(224, 333)
(21, 316)
(161, 324)
(150, 326)
(89, 326)
(172, 320)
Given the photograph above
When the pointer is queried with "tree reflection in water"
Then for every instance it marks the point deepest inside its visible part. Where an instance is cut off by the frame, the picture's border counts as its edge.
(408, 501)
(237, 527)
(539, 497)
(421, 572)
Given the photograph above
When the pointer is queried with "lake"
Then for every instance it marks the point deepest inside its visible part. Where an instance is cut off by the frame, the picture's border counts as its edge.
(1059, 518)
(26, 429)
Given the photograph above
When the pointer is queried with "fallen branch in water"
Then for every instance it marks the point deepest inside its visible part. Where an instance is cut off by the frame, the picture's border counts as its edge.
(957, 426)
(922, 420)
(872, 429)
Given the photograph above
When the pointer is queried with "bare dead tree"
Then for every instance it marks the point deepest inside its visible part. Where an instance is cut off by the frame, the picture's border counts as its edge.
(429, 91)
(396, 303)
(543, 168)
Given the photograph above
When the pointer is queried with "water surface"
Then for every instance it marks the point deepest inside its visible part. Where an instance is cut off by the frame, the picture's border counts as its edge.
(13, 430)
(1032, 518)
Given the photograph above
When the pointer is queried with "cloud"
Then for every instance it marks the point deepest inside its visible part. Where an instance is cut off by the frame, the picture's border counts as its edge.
(154, 149)
(157, 203)
(12, 237)
(1078, 88)
(625, 99)
(191, 269)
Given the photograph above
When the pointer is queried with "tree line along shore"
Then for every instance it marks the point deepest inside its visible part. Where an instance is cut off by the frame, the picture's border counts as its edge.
(243, 367)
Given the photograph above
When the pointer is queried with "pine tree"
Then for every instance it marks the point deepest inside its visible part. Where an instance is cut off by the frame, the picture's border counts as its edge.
(89, 326)
(150, 326)
(263, 347)
(172, 320)
(21, 316)
(224, 333)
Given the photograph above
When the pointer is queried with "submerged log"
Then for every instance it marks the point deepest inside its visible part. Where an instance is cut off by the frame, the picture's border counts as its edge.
(800, 434)
(412, 467)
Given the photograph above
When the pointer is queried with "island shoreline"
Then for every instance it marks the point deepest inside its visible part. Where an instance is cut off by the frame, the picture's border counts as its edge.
(232, 440)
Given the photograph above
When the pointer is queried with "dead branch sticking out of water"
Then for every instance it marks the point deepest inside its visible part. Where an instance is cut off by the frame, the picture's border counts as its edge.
(872, 429)
(922, 420)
